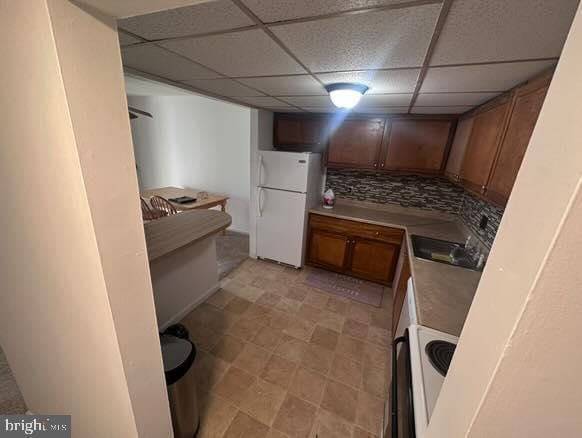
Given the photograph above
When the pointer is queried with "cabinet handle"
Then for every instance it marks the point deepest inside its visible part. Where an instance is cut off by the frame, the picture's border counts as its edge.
(382, 165)
(377, 233)
(375, 164)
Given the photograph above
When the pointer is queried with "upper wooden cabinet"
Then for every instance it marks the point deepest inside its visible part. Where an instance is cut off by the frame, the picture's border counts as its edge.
(356, 143)
(482, 147)
(299, 130)
(527, 104)
(458, 148)
(416, 145)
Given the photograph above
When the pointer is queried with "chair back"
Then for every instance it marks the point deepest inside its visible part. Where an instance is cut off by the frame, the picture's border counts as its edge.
(147, 213)
(162, 205)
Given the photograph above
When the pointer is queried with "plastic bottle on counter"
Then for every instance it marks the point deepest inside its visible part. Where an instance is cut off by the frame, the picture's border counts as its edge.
(328, 199)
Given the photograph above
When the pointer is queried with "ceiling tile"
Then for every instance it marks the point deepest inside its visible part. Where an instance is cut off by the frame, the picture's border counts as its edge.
(248, 53)
(486, 77)
(190, 20)
(380, 82)
(390, 110)
(263, 102)
(453, 99)
(310, 101)
(303, 85)
(223, 87)
(384, 100)
(325, 110)
(277, 10)
(440, 109)
(385, 39)
(126, 39)
(498, 30)
(157, 61)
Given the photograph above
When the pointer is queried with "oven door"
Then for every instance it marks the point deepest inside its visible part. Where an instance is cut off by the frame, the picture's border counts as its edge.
(401, 402)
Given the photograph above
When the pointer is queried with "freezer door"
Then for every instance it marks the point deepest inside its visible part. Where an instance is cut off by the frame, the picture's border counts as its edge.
(281, 223)
(283, 170)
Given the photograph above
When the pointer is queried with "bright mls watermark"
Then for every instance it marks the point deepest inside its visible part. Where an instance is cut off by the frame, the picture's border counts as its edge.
(45, 426)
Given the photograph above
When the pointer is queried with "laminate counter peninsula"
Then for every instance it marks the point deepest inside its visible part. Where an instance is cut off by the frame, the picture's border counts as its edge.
(183, 263)
(443, 293)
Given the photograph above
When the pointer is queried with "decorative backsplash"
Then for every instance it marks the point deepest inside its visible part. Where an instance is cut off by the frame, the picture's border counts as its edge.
(424, 192)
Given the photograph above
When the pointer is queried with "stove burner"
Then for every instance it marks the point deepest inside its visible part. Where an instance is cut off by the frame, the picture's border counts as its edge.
(440, 354)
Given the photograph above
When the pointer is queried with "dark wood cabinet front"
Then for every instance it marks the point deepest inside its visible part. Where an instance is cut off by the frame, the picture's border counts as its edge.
(362, 250)
(417, 145)
(298, 131)
(355, 143)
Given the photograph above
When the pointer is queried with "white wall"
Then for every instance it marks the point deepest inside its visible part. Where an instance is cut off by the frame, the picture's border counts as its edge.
(195, 142)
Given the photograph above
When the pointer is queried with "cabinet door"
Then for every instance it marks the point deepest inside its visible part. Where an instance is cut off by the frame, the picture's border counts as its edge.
(418, 145)
(313, 131)
(356, 143)
(373, 260)
(399, 286)
(527, 106)
(288, 131)
(482, 147)
(458, 148)
(328, 250)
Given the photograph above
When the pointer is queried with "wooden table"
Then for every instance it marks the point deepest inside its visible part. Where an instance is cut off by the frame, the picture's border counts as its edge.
(213, 199)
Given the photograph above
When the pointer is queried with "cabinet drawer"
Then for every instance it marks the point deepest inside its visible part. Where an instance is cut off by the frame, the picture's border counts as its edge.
(357, 229)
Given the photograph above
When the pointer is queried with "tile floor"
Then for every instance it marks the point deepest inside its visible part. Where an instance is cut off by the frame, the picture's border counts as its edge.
(278, 359)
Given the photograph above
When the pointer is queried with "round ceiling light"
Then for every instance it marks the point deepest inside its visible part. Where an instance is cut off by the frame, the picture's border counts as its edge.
(345, 95)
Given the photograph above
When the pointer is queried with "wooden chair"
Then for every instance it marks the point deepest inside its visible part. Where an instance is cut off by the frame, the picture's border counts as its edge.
(162, 205)
(147, 213)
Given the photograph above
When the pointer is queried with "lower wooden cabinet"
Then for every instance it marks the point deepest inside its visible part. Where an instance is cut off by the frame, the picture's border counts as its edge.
(362, 250)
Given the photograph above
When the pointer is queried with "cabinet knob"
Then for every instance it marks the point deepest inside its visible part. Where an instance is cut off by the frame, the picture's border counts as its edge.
(382, 165)
(375, 164)
(377, 233)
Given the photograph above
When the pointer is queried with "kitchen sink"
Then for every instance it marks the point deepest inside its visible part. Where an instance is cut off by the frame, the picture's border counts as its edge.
(443, 251)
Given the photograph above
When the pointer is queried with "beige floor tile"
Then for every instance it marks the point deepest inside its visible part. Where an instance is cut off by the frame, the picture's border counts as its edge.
(309, 313)
(374, 381)
(267, 337)
(279, 371)
(244, 426)
(245, 328)
(355, 329)
(288, 306)
(317, 358)
(203, 315)
(268, 299)
(216, 414)
(234, 385)
(222, 321)
(290, 348)
(369, 413)
(376, 356)
(296, 293)
(220, 298)
(308, 385)
(233, 287)
(347, 371)
(259, 312)
(382, 319)
(350, 347)
(316, 299)
(237, 305)
(295, 418)
(250, 293)
(204, 338)
(361, 433)
(252, 359)
(359, 313)
(325, 338)
(337, 305)
(262, 401)
(276, 434)
(279, 320)
(328, 425)
(300, 329)
(228, 348)
(331, 320)
(244, 276)
(340, 400)
(209, 370)
(271, 285)
(380, 336)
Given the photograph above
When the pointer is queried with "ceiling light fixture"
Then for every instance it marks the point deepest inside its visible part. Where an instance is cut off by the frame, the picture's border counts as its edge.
(345, 95)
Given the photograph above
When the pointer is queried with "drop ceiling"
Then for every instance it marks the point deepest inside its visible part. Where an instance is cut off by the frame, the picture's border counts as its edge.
(417, 56)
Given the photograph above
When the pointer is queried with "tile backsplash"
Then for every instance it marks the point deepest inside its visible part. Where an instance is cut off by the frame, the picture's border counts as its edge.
(424, 192)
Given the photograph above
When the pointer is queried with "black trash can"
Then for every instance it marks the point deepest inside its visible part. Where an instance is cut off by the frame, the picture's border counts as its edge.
(178, 356)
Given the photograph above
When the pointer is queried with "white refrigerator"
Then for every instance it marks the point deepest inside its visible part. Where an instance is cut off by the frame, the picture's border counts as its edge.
(289, 184)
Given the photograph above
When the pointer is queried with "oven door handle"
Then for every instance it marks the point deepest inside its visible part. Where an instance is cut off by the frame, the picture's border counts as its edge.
(394, 402)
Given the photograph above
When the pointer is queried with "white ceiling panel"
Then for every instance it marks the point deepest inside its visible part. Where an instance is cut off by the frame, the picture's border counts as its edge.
(266, 101)
(157, 61)
(453, 99)
(386, 39)
(197, 19)
(389, 110)
(126, 39)
(485, 78)
(499, 30)
(303, 85)
(277, 10)
(223, 87)
(322, 110)
(248, 53)
(380, 82)
(310, 101)
(440, 109)
(384, 100)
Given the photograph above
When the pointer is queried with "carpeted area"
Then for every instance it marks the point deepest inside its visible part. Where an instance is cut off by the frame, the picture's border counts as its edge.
(232, 248)
(11, 402)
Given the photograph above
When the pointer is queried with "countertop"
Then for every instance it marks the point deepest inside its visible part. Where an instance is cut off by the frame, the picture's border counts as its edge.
(172, 232)
(443, 293)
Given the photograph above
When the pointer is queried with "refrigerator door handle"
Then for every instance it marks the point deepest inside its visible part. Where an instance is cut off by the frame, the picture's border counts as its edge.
(260, 170)
(259, 198)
